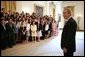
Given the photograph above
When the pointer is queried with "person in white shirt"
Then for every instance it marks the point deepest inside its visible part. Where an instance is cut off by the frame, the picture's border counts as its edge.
(27, 31)
(39, 31)
(34, 31)
(46, 29)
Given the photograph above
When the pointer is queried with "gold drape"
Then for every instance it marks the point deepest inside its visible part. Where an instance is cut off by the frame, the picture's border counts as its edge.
(9, 5)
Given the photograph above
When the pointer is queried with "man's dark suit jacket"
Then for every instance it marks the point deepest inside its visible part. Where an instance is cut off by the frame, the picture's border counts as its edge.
(68, 35)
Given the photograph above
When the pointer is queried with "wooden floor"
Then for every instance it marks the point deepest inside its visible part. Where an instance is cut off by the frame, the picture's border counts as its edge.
(47, 47)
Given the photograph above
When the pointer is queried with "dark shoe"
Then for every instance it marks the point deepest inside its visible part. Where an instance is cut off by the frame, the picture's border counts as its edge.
(3, 48)
(10, 46)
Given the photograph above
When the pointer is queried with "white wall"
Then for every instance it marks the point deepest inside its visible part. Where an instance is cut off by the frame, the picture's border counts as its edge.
(25, 6)
(78, 11)
(19, 6)
(28, 6)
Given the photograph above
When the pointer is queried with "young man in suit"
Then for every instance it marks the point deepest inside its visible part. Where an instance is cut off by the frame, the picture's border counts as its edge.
(68, 34)
(10, 33)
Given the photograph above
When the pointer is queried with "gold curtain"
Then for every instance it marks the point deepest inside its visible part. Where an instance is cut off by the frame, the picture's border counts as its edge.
(9, 5)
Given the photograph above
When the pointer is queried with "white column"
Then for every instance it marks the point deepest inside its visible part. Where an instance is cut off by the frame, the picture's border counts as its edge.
(58, 10)
(47, 9)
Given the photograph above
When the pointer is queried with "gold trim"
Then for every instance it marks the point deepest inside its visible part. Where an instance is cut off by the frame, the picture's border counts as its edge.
(54, 13)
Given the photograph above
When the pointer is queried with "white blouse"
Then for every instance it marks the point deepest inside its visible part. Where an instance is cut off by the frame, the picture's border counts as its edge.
(28, 27)
(33, 27)
(46, 27)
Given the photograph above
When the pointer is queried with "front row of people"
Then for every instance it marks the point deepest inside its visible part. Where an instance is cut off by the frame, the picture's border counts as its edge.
(13, 32)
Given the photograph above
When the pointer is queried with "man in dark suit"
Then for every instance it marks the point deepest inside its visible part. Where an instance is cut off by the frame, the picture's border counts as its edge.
(68, 34)
(3, 33)
(10, 33)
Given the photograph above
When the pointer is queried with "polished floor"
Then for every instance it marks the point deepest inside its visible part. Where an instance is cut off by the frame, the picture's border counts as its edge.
(47, 47)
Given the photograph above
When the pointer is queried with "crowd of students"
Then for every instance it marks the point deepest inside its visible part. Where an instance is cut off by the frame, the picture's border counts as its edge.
(23, 27)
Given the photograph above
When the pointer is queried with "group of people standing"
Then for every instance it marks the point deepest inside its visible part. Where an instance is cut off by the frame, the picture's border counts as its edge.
(24, 27)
